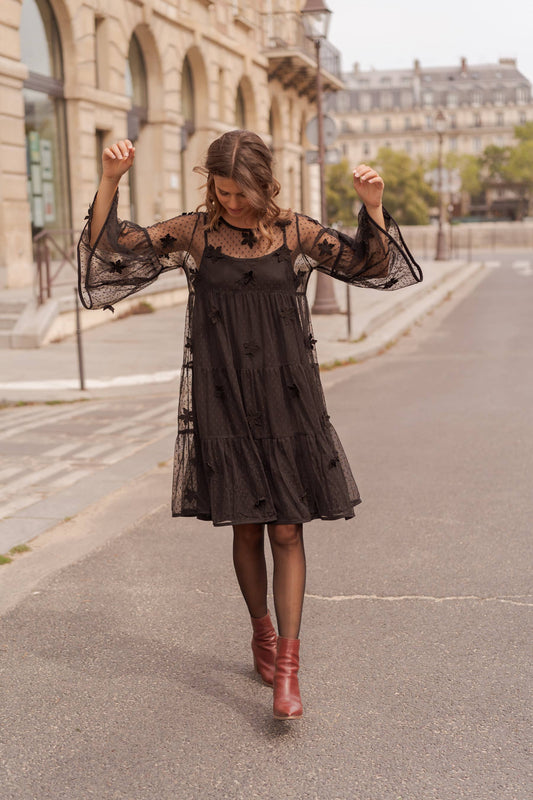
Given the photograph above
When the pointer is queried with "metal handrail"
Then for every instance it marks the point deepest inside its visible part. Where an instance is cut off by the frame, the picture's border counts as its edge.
(48, 269)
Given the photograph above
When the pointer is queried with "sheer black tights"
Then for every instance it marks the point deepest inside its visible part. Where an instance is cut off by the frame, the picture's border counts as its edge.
(286, 542)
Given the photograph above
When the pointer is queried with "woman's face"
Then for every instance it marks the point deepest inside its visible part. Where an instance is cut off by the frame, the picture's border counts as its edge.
(236, 208)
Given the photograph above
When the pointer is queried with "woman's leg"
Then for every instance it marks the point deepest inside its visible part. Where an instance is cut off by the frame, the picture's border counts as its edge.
(289, 577)
(289, 586)
(250, 566)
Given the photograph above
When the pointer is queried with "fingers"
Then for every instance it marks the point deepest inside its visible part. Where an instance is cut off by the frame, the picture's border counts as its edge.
(365, 174)
(120, 150)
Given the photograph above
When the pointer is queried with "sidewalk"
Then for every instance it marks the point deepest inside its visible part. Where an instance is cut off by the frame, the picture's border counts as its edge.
(143, 350)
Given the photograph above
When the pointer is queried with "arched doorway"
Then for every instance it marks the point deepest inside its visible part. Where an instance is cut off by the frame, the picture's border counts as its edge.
(137, 91)
(44, 117)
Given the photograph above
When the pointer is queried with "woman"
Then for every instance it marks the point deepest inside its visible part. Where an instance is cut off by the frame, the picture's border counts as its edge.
(255, 446)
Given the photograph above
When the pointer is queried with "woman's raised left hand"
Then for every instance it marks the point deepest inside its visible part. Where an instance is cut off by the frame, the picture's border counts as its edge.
(369, 186)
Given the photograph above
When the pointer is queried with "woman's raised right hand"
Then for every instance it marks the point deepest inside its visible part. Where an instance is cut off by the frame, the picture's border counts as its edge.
(117, 159)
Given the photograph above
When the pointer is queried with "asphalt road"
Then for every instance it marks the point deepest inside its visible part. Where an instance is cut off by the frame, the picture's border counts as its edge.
(127, 674)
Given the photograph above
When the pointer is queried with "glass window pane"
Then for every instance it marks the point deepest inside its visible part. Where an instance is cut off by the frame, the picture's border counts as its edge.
(39, 39)
(46, 160)
(136, 86)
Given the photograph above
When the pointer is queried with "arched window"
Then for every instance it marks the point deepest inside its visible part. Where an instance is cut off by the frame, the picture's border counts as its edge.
(137, 91)
(240, 110)
(187, 96)
(44, 111)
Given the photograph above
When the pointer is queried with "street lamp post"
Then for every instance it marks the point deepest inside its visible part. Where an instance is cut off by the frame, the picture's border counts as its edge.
(316, 17)
(441, 253)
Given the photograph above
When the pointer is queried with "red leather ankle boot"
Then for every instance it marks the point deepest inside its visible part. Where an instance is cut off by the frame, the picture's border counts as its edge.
(287, 700)
(264, 648)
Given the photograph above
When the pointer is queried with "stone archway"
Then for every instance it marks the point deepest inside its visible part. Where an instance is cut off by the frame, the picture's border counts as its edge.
(195, 129)
(143, 78)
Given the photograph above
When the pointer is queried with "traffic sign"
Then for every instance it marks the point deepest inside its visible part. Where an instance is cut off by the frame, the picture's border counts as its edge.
(330, 130)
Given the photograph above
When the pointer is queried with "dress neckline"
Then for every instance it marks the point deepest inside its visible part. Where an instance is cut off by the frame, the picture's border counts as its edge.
(235, 228)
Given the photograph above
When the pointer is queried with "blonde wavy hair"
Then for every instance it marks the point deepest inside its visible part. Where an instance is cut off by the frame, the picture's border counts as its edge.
(244, 157)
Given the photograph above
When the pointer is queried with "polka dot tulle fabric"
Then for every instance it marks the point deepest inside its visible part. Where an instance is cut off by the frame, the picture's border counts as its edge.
(254, 441)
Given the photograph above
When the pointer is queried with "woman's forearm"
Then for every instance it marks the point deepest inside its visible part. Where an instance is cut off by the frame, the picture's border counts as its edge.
(102, 204)
(376, 213)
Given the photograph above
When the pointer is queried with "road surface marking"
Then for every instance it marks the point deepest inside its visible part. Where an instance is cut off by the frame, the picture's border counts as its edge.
(93, 383)
(62, 450)
(523, 268)
(31, 479)
(64, 481)
(52, 416)
(95, 450)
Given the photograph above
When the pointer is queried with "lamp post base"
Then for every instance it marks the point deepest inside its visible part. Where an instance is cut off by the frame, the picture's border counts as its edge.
(325, 301)
(441, 253)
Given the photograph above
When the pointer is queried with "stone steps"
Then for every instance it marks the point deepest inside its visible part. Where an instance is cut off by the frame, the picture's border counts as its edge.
(10, 311)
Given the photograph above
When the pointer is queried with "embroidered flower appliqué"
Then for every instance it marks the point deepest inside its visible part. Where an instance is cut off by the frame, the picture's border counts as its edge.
(390, 283)
(326, 248)
(250, 348)
(255, 419)
(246, 279)
(166, 241)
(287, 314)
(186, 416)
(117, 266)
(249, 238)
(333, 462)
(299, 277)
(282, 253)
(214, 315)
(213, 253)
(310, 342)
(294, 390)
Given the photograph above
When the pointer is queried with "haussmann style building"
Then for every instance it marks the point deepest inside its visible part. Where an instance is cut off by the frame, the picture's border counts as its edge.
(482, 104)
(169, 74)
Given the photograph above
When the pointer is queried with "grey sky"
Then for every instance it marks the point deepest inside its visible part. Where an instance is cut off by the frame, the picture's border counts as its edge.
(391, 34)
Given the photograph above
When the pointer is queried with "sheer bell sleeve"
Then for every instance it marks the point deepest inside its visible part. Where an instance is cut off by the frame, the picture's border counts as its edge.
(374, 257)
(127, 257)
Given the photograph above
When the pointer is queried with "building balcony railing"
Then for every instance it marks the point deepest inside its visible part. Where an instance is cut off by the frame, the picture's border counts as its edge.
(292, 56)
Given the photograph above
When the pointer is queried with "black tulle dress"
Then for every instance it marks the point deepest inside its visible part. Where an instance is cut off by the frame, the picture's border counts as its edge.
(255, 443)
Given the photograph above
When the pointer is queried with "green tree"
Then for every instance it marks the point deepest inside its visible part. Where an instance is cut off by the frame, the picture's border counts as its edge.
(494, 162)
(519, 166)
(469, 169)
(340, 194)
(524, 133)
(408, 197)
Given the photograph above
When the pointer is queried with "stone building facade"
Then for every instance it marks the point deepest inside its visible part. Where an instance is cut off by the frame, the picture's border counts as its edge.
(76, 75)
(482, 104)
